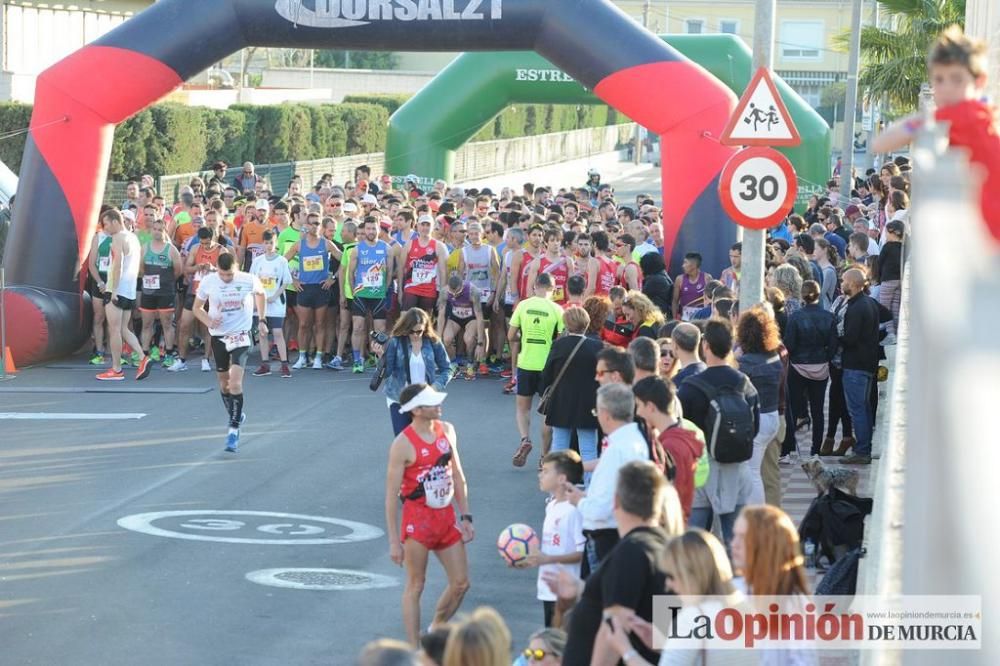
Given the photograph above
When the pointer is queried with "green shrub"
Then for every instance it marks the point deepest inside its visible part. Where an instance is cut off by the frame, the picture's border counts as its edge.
(367, 125)
(179, 139)
(13, 117)
(391, 101)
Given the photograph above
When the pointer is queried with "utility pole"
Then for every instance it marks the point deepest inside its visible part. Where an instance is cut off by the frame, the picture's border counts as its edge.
(752, 268)
(851, 106)
(637, 138)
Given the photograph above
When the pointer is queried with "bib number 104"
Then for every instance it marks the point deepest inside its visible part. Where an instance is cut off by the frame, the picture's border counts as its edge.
(765, 188)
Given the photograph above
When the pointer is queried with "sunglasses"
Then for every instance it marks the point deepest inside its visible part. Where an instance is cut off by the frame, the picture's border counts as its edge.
(665, 351)
(537, 654)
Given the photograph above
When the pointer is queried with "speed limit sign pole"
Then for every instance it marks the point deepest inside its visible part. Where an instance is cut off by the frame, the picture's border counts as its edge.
(757, 187)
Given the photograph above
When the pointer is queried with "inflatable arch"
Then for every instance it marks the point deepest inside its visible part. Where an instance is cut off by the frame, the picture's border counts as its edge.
(425, 132)
(79, 100)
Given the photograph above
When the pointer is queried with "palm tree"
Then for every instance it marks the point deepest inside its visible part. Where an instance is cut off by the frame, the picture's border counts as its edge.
(894, 58)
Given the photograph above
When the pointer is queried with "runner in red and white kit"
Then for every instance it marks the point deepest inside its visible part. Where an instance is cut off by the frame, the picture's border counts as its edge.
(629, 273)
(515, 282)
(553, 262)
(422, 268)
(425, 472)
(607, 267)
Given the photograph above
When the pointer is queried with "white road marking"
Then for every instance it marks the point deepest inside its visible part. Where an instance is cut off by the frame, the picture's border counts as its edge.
(66, 416)
(311, 579)
(143, 523)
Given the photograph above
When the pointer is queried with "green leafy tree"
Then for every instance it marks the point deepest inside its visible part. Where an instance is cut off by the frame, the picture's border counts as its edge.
(357, 59)
(893, 58)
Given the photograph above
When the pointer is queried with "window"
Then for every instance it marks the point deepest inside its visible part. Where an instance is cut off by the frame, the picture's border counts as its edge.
(694, 26)
(801, 40)
(729, 26)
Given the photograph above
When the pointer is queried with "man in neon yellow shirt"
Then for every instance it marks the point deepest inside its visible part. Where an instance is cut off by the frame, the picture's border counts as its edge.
(538, 320)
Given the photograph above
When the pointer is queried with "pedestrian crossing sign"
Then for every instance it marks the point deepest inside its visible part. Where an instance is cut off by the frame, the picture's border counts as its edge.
(761, 118)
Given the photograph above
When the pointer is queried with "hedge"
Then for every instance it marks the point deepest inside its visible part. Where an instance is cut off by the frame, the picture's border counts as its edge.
(173, 138)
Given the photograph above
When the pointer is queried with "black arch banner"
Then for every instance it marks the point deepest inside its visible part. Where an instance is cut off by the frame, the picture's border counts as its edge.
(79, 100)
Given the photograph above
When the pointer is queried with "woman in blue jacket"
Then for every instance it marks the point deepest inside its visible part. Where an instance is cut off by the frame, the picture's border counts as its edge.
(811, 340)
(413, 354)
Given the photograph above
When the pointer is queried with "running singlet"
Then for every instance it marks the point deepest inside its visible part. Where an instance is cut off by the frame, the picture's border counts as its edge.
(103, 256)
(273, 274)
(607, 271)
(460, 306)
(203, 256)
(428, 480)
(638, 273)
(231, 301)
(523, 287)
(477, 269)
(559, 271)
(128, 280)
(510, 297)
(345, 261)
(314, 262)
(287, 238)
(252, 238)
(420, 278)
(692, 295)
(370, 272)
(157, 271)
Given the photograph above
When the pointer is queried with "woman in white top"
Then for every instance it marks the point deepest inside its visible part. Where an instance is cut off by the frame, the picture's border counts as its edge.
(697, 567)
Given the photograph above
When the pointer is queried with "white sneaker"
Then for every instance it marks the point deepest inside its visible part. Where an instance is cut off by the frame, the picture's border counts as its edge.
(205, 365)
(317, 361)
(178, 366)
(300, 362)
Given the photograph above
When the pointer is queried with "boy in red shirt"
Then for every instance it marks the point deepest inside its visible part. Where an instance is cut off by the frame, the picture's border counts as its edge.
(957, 69)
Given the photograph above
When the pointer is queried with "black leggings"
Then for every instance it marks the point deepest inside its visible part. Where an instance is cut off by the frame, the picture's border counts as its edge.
(814, 392)
(838, 406)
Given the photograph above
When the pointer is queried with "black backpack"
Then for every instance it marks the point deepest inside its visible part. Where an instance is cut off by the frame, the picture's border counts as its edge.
(729, 427)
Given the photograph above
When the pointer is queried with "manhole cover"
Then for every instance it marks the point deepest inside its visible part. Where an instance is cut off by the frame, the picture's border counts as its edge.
(320, 579)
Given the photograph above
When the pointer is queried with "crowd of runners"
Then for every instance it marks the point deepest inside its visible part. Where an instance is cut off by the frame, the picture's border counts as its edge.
(665, 409)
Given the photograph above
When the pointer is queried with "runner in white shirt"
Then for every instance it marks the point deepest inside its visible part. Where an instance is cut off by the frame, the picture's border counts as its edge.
(274, 274)
(232, 297)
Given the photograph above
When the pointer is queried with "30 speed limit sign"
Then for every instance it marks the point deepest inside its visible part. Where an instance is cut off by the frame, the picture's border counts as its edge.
(758, 187)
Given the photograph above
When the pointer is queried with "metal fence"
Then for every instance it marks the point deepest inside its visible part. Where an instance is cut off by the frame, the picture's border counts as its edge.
(931, 532)
(481, 159)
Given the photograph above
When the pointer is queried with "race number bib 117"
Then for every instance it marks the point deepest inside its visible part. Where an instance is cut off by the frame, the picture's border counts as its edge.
(423, 275)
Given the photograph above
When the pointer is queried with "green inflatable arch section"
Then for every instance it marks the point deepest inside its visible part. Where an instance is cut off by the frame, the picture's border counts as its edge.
(425, 132)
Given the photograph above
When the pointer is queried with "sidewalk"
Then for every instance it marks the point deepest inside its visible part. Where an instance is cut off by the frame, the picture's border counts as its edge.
(612, 166)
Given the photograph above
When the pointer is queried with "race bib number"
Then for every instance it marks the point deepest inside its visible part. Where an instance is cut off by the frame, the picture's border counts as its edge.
(314, 263)
(479, 276)
(438, 488)
(688, 312)
(462, 312)
(256, 251)
(485, 295)
(372, 278)
(236, 340)
(423, 275)
(294, 270)
(269, 282)
(558, 294)
(151, 282)
(104, 264)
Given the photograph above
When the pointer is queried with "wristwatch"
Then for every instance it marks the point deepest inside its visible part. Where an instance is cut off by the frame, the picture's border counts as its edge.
(466, 517)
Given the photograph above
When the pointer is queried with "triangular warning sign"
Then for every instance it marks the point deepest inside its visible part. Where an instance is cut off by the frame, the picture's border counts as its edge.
(761, 118)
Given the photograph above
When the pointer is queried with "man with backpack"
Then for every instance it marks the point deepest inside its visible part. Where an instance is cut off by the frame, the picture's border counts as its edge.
(723, 403)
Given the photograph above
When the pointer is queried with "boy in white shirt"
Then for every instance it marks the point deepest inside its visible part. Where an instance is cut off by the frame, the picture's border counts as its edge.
(562, 533)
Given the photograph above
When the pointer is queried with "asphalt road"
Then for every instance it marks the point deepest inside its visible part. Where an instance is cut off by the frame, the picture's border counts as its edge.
(76, 587)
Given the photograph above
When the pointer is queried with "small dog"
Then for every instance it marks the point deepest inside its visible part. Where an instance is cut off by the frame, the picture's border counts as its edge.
(824, 477)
